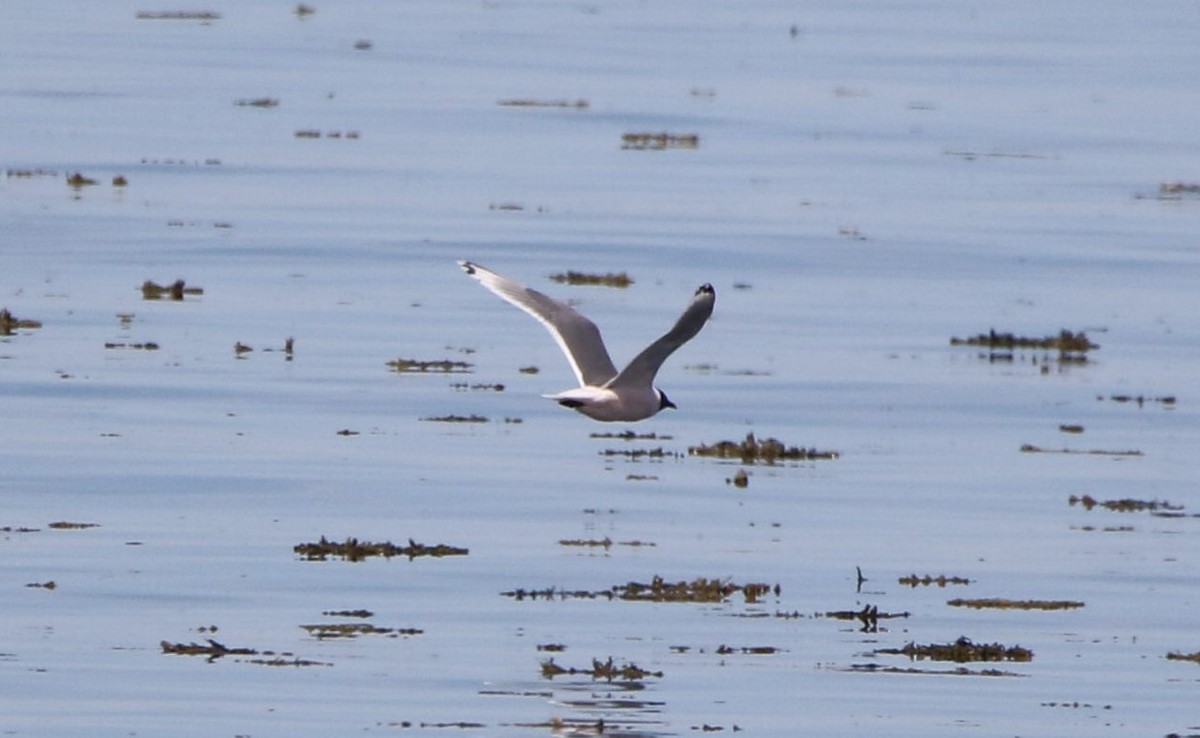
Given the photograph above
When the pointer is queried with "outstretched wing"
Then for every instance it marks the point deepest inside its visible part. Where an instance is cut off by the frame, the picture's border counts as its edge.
(578, 337)
(640, 372)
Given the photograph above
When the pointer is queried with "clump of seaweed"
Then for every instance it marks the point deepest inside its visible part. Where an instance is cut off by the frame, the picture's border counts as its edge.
(1072, 347)
(321, 631)
(151, 290)
(213, 650)
(417, 366)
(1125, 504)
(353, 549)
(645, 141)
(206, 16)
(611, 279)
(146, 346)
(605, 542)
(77, 180)
(751, 450)
(639, 453)
(631, 436)
(1141, 400)
(1001, 603)
(1178, 656)
(740, 479)
(961, 651)
(69, 525)
(607, 670)
(257, 102)
(941, 580)
(10, 324)
(701, 589)
(472, 418)
(1029, 448)
(525, 102)
(869, 616)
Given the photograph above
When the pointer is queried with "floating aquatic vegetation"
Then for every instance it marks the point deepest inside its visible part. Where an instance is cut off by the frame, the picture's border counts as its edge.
(524, 102)
(77, 180)
(958, 671)
(1126, 504)
(456, 419)
(605, 543)
(740, 479)
(1072, 347)
(1070, 428)
(1141, 400)
(119, 181)
(9, 324)
(363, 44)
(147, 346)
(643, 141)
(322, 631)
(353, 549)
(417, 366)
(304, 10)
(1001, 603)
(360, 613)
(463, 386)
(869, 616)
(631, 436)
(152, 290)
(639, 453)
(941, 580)
(200, 15)
(751, 450)
(752, 650)
(30, 173)
(68, 525)
(1029, 448)
(1177, 656)
(611, 279)
(213, 650)
(257, 102)
(700, 589)
(314, 133)
(50, 585)
(528, 370)
(961, 651)
(606, 670)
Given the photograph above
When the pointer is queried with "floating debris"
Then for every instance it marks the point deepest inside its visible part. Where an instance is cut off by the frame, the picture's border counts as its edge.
(751, 450)
(1125, 504)
(206, 16)
(961, 651)
(912, 580)
(363, 44)
(416, 366)
(741, 479)
(50, 585)
(257, 102)
(1072, 347)
(605, 543)
(611, 279)
(119, 181)
(321, 631)
(462, 386)
(353, 549)
(700, 589)
(639, 453)
(10, 324)
(68, 525)
(1001, 603)
(348, 614)
(639, 141)
(958, 671)
(77, 180)
(528, 370)
(869, 616)
(456, 419)
(1029, 448)
(1070, 428)
(1172, 656)
(1141, 400)
(151, 290)
(147, 346)
(30, 173)
(213, 650)
(314, 133)
(303, 11)
(606, 670)
(631, 436)
(577, 104)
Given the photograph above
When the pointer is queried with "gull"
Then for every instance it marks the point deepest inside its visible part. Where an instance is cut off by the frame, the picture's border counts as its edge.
(603, 393)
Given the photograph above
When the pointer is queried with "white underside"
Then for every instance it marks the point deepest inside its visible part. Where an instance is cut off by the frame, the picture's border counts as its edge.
(600, 403)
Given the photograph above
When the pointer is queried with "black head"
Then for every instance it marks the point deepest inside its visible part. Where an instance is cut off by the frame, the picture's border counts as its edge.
(664, 401)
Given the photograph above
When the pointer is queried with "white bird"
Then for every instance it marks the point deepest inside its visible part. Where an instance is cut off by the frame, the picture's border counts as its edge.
(603, 393)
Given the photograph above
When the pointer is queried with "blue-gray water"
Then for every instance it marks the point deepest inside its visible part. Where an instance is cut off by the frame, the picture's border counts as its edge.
(870, 180)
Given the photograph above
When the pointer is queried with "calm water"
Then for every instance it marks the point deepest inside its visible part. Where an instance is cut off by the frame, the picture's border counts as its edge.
(869, 181)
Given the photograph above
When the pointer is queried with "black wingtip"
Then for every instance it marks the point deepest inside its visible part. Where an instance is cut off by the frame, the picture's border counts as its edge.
(467, 267)
(705, 289)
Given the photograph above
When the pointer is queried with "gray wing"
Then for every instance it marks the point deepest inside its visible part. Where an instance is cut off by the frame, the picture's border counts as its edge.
(640, 372)
(578, 337)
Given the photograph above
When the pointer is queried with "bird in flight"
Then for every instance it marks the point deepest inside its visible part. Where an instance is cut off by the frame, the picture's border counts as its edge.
(603, 393)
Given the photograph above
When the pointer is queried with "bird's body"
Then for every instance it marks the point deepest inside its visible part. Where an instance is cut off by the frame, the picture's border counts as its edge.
(603, 393)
